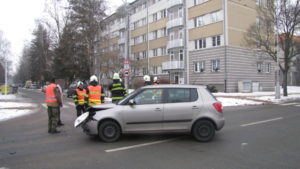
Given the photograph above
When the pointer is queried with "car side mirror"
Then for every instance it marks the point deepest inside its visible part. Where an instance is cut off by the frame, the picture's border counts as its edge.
(131, 102)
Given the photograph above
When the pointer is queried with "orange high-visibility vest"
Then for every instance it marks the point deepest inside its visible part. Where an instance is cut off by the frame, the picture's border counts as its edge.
(50, 95)
(94, 95)
(81, 96)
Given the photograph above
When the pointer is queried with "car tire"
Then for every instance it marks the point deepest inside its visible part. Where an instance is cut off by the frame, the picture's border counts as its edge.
(109, 131)
(203, 130)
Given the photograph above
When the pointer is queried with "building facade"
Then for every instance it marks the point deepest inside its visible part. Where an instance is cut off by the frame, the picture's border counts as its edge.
(193, 42)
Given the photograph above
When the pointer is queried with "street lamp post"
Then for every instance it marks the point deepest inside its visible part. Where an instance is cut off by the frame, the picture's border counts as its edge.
(5, 87)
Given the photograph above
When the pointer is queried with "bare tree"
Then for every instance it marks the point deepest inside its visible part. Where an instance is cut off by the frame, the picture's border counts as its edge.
(282, 15)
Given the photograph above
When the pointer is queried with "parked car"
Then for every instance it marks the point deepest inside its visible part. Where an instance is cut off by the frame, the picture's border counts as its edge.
(71, 90)
(161, 108)
(33, 86)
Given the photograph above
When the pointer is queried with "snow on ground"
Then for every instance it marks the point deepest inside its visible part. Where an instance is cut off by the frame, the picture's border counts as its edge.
(255, 98)
(236, 102)
(8, 97)
(10, 109)
(6, 114)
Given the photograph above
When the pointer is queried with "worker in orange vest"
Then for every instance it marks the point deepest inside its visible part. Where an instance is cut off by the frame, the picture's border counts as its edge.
(80, 98)
(95, 92)
(53, 101)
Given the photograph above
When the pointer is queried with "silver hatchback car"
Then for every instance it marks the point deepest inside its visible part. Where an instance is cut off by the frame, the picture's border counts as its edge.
(157, 108)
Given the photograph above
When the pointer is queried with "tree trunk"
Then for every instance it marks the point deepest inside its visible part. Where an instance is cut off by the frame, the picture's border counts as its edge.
(284, 85)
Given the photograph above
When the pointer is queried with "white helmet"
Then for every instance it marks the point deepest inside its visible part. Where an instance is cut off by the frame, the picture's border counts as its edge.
(93, 78)
(155, 79)
(79, 83)
(116, 76)
(147, 78)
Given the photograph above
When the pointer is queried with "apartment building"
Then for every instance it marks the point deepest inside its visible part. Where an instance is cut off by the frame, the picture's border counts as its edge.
(196, 42)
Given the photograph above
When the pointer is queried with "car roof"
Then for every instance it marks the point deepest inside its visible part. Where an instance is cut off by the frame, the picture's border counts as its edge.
(173, 86)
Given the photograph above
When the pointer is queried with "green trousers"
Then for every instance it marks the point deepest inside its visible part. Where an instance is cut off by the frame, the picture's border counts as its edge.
(52, 118)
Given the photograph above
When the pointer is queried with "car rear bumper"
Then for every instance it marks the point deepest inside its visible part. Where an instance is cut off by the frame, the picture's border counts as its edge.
(220, 123)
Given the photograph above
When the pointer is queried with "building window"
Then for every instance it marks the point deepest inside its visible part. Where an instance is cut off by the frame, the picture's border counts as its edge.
(154, 16)
(268, 67)
(136, 40)
(215, 65)
(155, 70)
(144, 54)
(135, 24)
(163, 32)
(181, 55)
(196, 67)
(257, 2)
(154, 34)
(216, 40)
(145, 71)
(144, 38)
(259, 67)
(144, 21)
(201, 43)
(163, 13)
(197, 2)
(137, 56)
(172, 56)
(199, 66)
(163, 51)
(154, 52)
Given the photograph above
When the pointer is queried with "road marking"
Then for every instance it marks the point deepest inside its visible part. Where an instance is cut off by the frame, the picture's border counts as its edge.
(141, 145)
(298, 105)
(288, 104)
(260, 122)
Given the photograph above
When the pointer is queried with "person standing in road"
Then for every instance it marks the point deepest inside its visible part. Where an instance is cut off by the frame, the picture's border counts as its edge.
(80, 98)
(117, 89)
(147, 80)
(155, 81)
(95, 92)
(53, 101)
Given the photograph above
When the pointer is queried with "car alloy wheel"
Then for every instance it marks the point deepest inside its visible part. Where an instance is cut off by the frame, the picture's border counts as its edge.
(109, 131)
(203, 130)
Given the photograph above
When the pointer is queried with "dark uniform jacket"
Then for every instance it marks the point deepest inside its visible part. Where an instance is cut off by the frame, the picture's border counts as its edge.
(118, 90)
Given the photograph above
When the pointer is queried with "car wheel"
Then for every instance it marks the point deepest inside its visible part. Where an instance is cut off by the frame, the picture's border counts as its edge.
(109, 131)
(203, 131)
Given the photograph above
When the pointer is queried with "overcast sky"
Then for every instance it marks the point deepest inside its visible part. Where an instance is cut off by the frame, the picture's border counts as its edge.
(17, 20)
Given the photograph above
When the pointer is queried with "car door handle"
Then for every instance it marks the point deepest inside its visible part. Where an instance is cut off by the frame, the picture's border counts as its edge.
(195, 107)
(158, 109)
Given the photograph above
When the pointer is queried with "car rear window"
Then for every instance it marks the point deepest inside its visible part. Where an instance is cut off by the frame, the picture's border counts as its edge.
(178, 95)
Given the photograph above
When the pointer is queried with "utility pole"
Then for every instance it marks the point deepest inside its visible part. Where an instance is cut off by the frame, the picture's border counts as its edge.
(6, 69)
(277, 88)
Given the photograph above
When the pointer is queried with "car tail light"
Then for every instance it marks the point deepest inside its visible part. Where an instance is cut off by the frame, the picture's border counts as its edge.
(218, 106)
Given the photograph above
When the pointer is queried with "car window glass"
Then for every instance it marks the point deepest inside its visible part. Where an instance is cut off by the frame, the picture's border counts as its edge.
(182, 95)
(149, 96)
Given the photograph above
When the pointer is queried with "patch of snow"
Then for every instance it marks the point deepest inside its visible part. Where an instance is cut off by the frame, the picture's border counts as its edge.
(282, 98)
(8, 97)
(236, 102)
(6, 114)
(4, 105)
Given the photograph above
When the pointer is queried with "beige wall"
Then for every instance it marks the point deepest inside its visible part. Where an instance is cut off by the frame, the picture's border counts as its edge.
(158, 43)
(241, 15)
(139, 31)
(158, 24)
(157, 61)
(109, 42)
(139, 47)
(206, 31)
(207, 7)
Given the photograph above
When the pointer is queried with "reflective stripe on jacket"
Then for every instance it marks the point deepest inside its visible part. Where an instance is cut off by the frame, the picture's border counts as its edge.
(50, 94)
(94, 95)
(80, 96)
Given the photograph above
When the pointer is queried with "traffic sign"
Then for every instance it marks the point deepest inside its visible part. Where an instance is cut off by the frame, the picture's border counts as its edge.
(126, 73)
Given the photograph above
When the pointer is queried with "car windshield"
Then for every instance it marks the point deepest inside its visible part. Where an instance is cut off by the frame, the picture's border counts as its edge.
(121, 102)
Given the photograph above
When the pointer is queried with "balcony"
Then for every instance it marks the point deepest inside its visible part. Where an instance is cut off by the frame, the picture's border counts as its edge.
(172, 3)
(122, 25)
(121, 41)
(172, 65)
(176, 43)
(174, 23)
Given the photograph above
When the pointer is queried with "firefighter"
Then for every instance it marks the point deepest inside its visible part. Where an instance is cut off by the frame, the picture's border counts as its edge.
(155, 81)
(80, 98)
(53, 101)
(95, 92)
(117, 89)
(147, 80)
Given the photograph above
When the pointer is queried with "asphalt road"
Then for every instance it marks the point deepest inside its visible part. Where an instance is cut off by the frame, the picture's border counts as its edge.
(254, 137)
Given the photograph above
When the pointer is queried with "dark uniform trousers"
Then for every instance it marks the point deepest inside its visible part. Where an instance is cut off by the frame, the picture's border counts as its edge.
(80, 109)
(53, 118)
